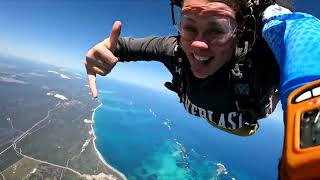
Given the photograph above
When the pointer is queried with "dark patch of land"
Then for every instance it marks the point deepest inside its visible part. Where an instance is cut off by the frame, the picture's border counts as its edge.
(42, 136)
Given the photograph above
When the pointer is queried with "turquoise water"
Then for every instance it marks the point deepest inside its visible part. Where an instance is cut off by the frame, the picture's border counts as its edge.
(146, 134)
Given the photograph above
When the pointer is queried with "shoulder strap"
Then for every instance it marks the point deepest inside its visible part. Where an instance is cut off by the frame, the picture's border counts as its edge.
(177, 83)
(242, 71)
(242, 84)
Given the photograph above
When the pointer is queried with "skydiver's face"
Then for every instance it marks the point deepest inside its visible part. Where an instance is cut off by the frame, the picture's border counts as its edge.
(207, 35)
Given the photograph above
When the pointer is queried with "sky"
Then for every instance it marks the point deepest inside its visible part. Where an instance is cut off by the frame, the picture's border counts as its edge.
(60, 32)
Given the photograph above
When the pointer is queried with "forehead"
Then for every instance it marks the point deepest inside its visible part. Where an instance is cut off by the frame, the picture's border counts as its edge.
(207, 8)
(211, 21)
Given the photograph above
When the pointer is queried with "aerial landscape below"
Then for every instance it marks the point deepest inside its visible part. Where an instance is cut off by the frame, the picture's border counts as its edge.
(46, 124)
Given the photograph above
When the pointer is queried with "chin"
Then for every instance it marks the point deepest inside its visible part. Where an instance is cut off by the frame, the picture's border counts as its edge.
(200, 75)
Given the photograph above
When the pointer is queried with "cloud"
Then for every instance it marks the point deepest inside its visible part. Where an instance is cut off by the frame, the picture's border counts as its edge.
(64, 76)
(54, 72)
(12, 80)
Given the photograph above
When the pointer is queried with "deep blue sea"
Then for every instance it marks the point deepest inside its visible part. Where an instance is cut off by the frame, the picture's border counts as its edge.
(147, 134)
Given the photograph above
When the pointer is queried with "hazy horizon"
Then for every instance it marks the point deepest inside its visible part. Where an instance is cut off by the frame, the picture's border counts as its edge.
(61, 32)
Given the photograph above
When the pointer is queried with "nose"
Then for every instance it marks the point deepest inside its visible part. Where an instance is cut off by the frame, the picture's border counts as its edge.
(199, 44)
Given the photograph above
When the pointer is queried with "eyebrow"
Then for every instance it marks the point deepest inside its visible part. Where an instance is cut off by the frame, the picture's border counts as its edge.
(189, 19)
(211, 23)
(194, 21)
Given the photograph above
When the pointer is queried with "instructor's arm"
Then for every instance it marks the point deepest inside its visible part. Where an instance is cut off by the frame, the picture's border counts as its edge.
(100, 59)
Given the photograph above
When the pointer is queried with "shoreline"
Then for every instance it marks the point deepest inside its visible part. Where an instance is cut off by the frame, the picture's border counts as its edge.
(97, 151)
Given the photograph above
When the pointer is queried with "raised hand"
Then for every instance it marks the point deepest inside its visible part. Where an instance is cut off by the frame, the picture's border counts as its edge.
(100, 59)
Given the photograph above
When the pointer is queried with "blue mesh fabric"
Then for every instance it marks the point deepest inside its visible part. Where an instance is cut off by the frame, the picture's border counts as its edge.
(295, 40)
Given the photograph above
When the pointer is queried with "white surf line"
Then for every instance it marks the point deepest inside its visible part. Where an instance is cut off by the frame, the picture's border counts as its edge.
(45, 162)
(98, 153)
(26, 132)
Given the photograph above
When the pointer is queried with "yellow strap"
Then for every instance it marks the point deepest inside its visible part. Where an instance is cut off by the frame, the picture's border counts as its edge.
(243, 131)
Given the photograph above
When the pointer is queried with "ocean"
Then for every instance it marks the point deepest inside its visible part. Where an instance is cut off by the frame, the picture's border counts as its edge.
(147, 134)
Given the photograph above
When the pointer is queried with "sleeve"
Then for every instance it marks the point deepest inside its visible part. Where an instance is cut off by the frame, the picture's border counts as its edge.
(295, 41)
(145, 49)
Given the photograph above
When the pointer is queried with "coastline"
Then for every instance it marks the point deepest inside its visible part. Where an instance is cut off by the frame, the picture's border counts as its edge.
(97, 151)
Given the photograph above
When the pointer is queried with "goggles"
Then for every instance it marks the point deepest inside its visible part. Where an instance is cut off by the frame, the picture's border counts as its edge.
(218, 32)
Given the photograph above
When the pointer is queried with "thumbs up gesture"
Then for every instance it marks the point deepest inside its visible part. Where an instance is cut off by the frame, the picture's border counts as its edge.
(100, 59)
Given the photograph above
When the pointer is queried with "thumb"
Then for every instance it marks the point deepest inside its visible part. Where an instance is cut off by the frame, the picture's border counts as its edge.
(115, 33)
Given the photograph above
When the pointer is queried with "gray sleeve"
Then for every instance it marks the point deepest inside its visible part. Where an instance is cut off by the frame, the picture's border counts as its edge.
(146, 49)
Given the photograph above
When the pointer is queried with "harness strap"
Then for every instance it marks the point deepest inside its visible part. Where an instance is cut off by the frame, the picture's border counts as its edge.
(242, 85)
(241, 75)
(177, 83)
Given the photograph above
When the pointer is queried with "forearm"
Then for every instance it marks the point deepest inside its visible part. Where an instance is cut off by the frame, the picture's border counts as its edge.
(295, 40)
(146, 49)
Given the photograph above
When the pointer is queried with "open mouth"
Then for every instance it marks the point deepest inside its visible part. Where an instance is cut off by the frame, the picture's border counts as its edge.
(203, 59)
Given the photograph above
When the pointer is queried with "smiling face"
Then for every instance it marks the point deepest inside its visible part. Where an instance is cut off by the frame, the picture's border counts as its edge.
(207, 35)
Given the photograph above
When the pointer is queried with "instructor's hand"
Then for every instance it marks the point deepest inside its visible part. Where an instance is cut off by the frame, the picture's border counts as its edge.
(100, 59)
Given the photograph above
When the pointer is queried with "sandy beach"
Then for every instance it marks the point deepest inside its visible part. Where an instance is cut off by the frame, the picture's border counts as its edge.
(97, 151)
